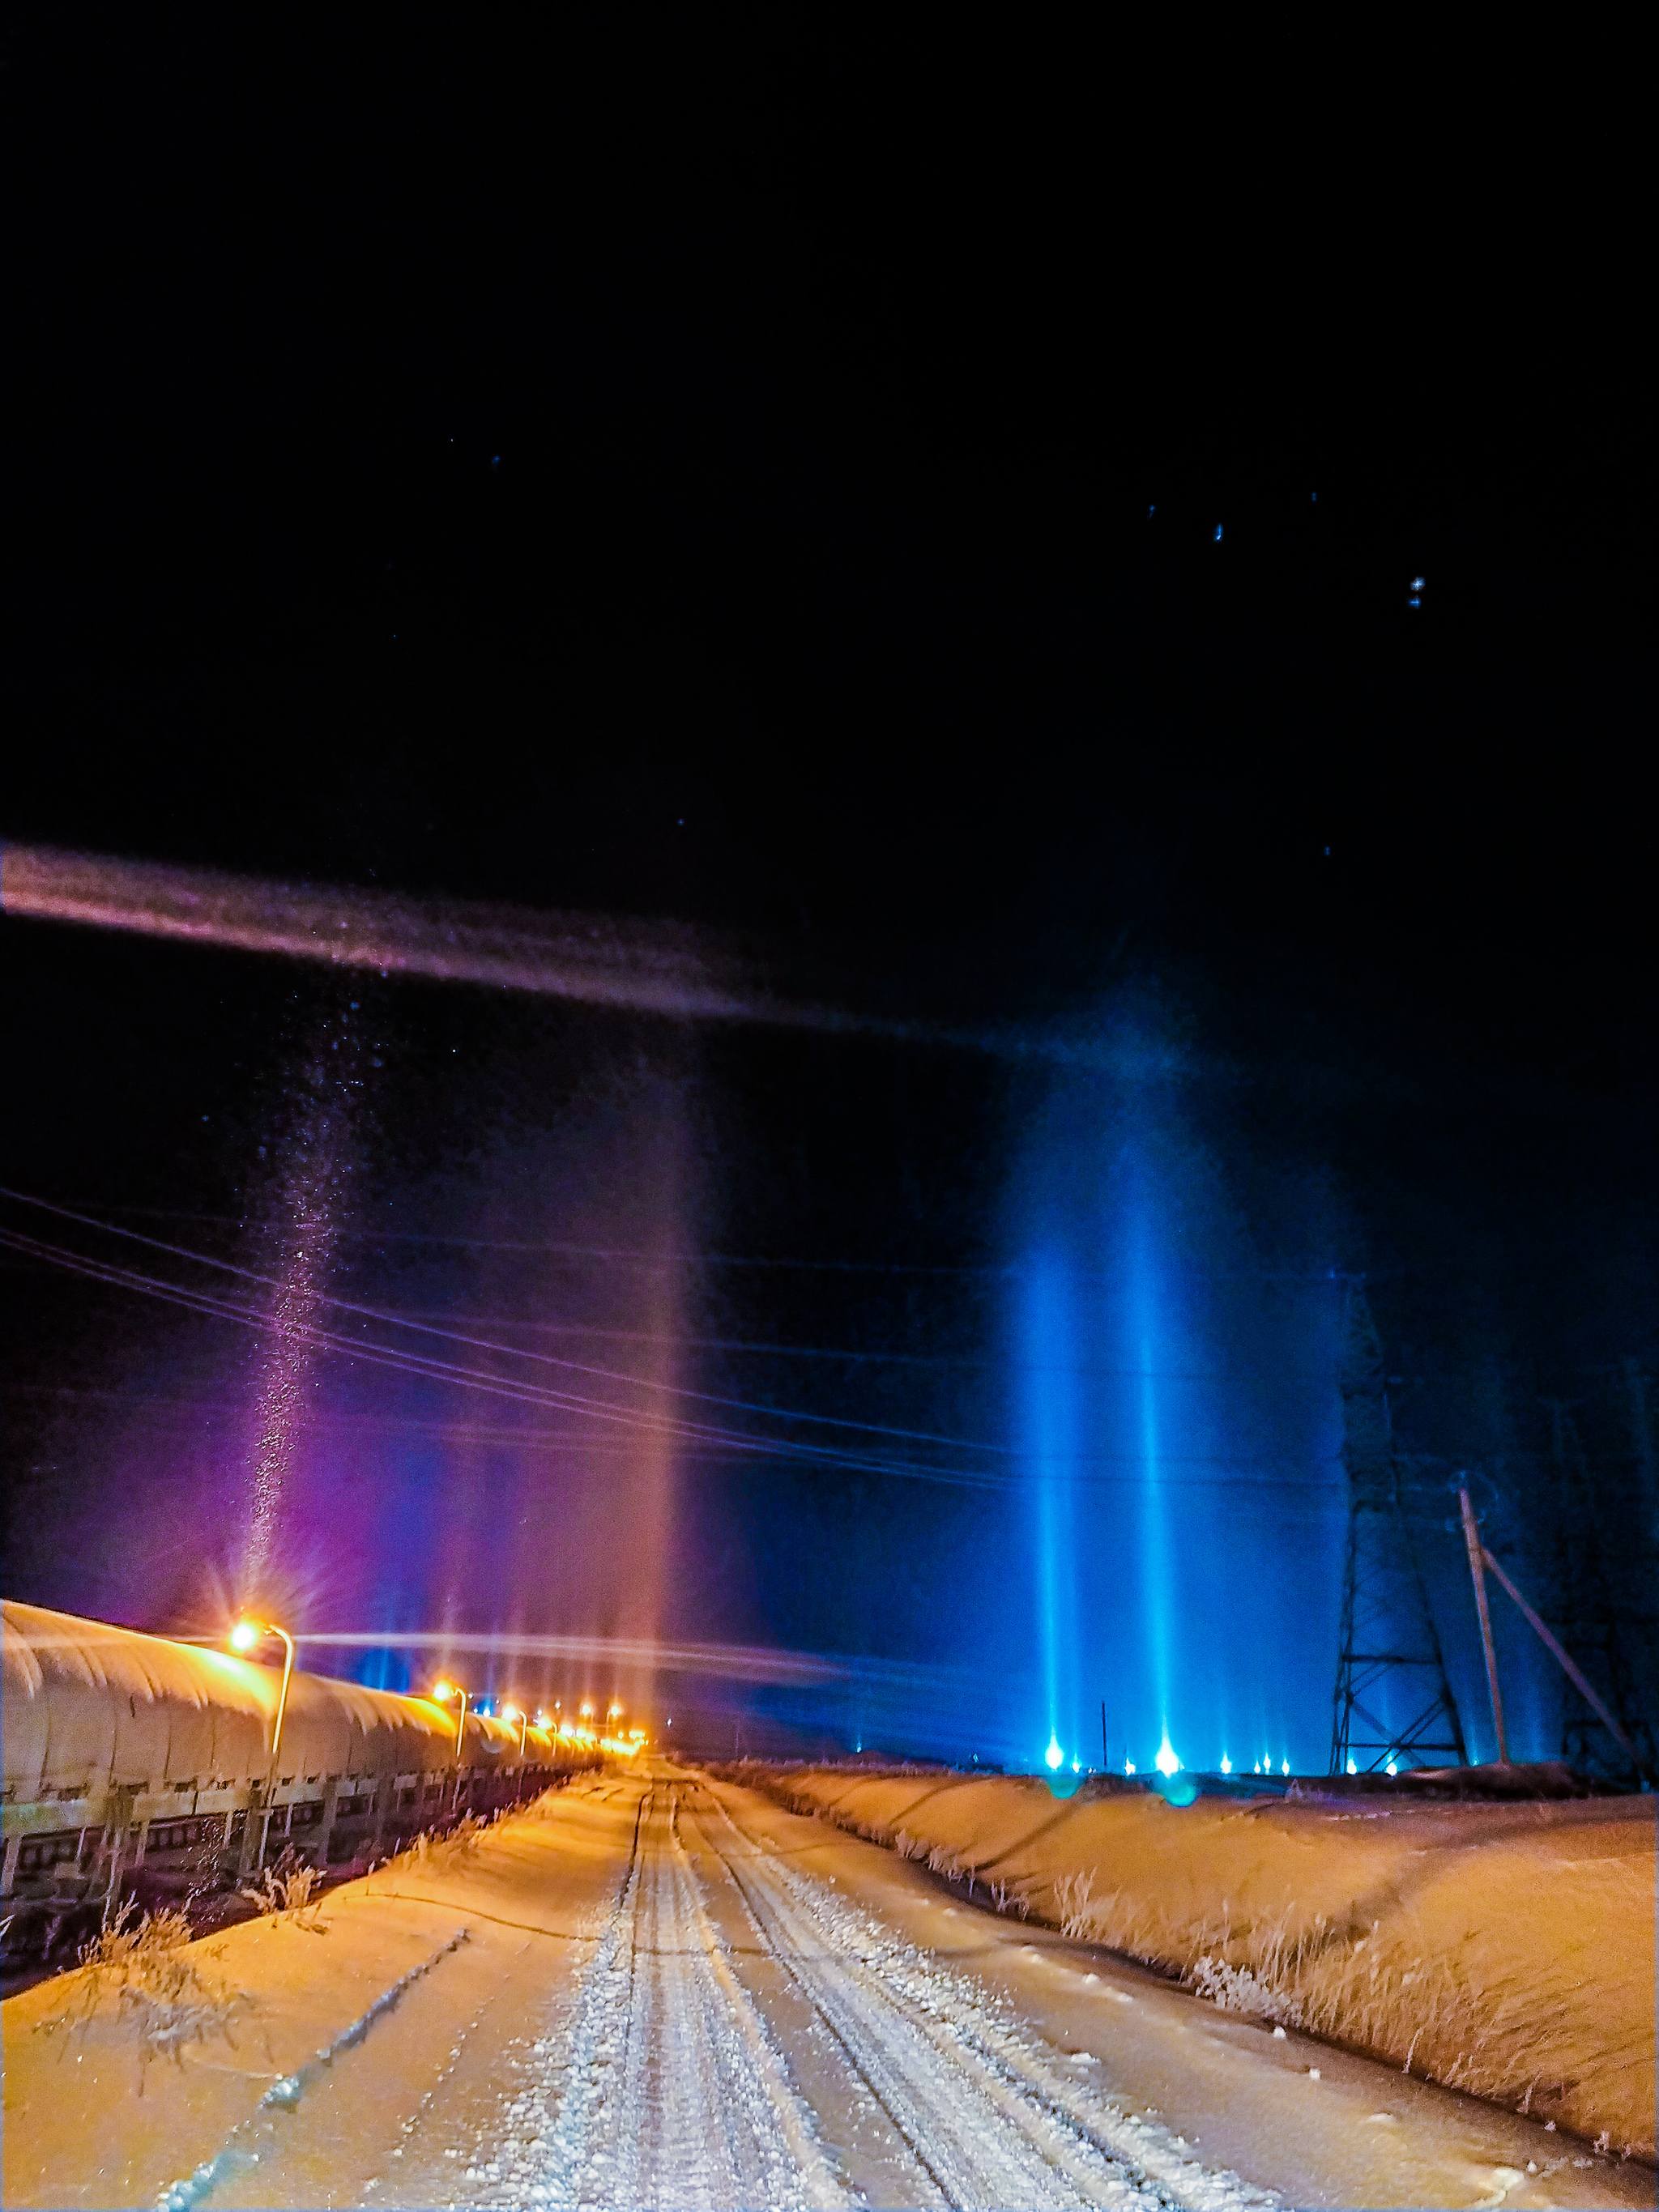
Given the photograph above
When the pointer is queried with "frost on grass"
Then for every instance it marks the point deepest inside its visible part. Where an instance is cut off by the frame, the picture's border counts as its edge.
(1072, 1894)
(1380, 1994)
(444, 1851)
(143, 1971)
(288, 1892)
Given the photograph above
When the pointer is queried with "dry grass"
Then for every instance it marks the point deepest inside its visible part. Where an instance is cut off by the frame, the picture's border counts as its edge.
(1072, 1895)
(442, 1851)
(288, 1892)
(158, 1989)
(1506, 1952)
(1381, 1995)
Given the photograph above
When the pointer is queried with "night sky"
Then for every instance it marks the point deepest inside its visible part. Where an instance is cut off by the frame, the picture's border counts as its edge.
(1172, 629)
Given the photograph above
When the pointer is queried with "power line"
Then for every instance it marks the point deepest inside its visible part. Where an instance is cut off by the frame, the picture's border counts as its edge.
(682, 1257)
(617, 1255)
(505, 1351)
(693, 1439)
(942, 1363)
(758, 1447)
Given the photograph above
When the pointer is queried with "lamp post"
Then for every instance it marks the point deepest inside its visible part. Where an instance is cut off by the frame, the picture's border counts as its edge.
(521, 1714)
(442, 1692)
(243, 1638)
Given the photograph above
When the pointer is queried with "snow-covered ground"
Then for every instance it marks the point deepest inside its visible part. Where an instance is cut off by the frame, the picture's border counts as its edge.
(663, 2084)
(1505, 1950)
(670, 1992)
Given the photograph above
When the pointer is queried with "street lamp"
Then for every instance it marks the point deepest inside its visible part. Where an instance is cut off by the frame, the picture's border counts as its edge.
(441, 1694)
(243, 1638)
(521, 1714)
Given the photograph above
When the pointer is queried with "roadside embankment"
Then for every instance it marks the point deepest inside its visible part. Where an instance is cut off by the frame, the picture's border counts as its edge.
(1506, 1950)
(193, 2073)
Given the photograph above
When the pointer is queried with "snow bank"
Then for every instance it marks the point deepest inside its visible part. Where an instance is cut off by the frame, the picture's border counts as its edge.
(1506, 1950)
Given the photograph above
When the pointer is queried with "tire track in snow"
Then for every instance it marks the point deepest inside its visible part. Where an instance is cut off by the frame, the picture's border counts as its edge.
(665, 2087)
(985, 2111)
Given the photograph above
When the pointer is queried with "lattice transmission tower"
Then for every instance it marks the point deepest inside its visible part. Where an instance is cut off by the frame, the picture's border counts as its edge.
(1390, 1652)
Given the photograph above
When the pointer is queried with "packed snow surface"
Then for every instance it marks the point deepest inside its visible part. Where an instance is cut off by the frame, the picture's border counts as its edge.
(661, 2084)
(655, 1988)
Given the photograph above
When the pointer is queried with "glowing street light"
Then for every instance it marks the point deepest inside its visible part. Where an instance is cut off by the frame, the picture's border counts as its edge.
(243, 1638)
(1054, 1754)
(441, 1694)
(1166, 1762)
(1226, 1764)
(521, 1714)
(1286, 1768)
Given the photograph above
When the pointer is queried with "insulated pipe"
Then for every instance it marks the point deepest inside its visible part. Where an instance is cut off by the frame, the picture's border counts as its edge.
(1477, 1570)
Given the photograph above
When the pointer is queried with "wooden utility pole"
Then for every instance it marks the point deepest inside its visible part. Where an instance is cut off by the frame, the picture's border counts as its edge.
(1478, 1574)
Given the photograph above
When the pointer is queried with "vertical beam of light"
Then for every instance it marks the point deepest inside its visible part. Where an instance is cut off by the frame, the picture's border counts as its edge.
(286, 1374)
(1146, 1347)
(323, 1095)
(1050, 1418)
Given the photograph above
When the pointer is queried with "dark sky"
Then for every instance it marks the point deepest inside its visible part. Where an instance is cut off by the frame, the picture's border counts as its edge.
(946, 519)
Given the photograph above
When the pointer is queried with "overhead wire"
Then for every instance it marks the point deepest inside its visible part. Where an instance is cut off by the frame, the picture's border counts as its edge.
(391, 1318)
(701, 1438)
(422, 1364)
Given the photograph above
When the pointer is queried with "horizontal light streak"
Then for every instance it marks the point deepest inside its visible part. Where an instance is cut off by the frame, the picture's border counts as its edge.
(655, 968)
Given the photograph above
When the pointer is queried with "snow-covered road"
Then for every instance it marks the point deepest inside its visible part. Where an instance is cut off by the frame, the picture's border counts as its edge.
(663, 2083)
(662, 1989)
(764, 2011)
